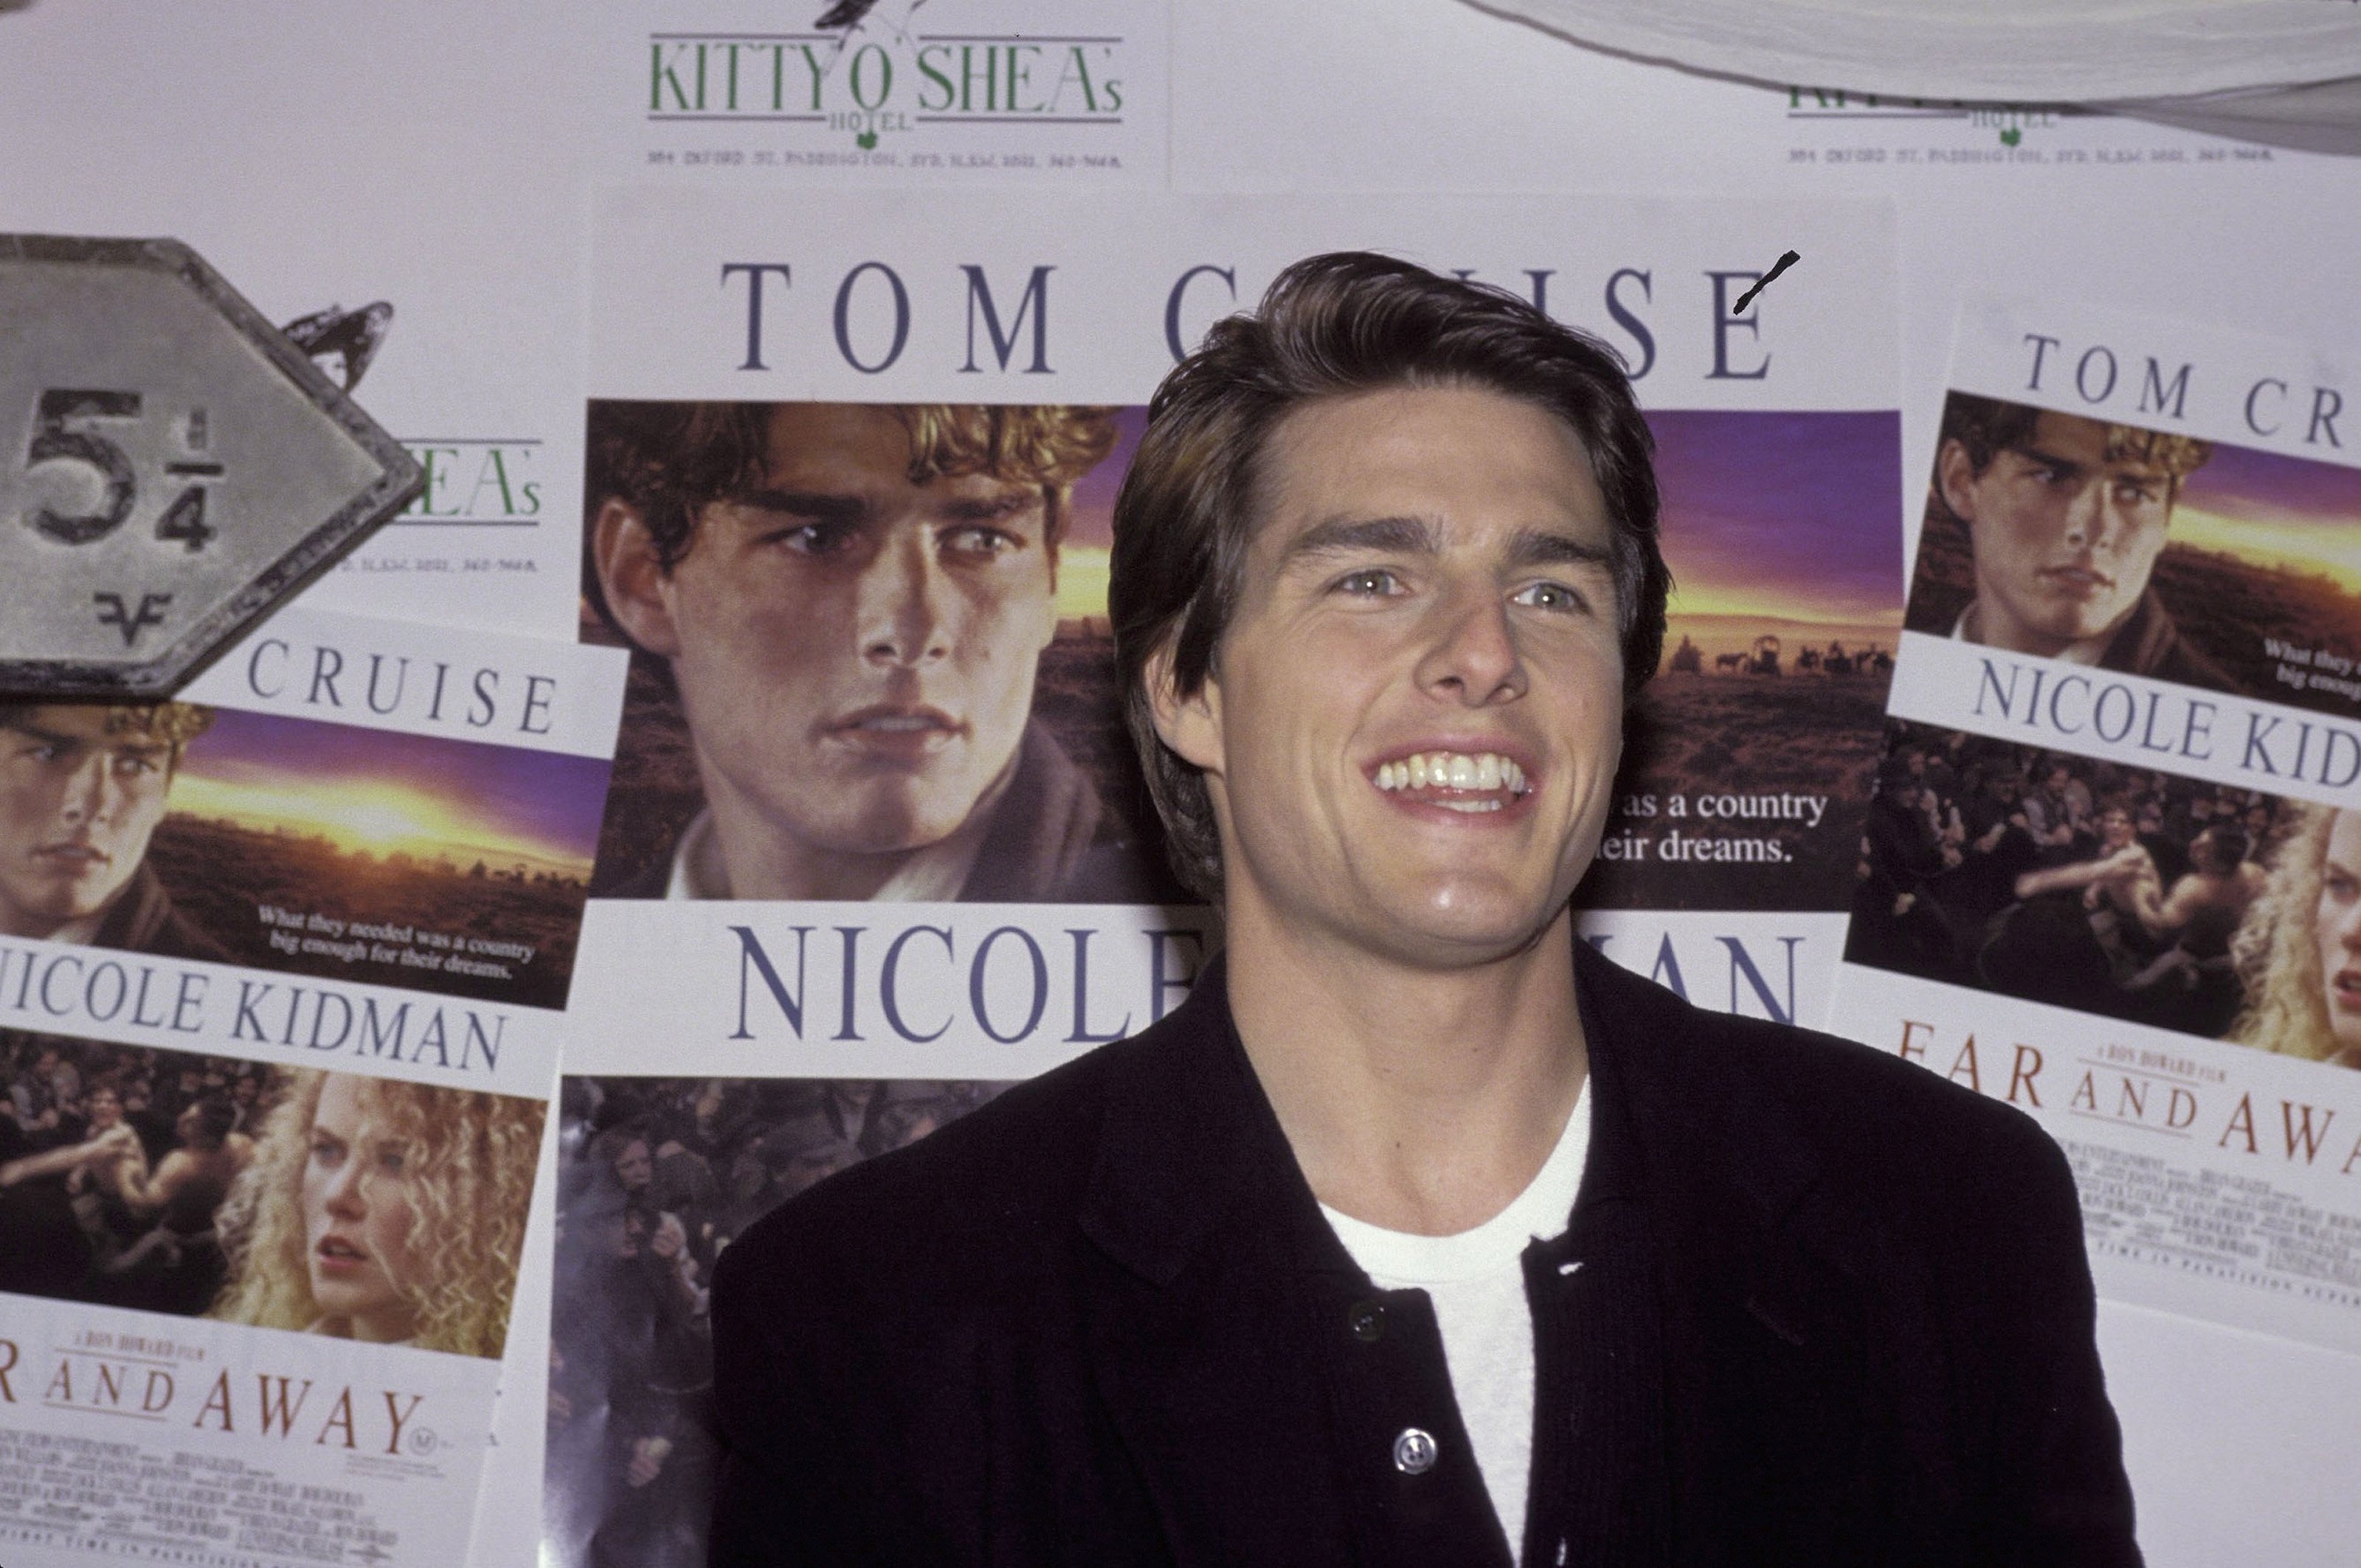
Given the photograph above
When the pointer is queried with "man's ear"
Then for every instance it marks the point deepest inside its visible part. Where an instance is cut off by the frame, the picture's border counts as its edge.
(632, 577)
(1955, 478)
(1190, 725)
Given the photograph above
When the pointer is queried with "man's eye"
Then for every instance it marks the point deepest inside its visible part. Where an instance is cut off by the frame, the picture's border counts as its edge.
(1549, 595)
(327, 1152)
(815, 538)
(978, 540)
(390, 1161)
(132, 767)
(1373, 582)
(2130, 494)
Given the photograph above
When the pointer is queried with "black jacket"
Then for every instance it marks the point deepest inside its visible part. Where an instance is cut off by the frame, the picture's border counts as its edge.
(1817, 1306)
(143, 919)
(2148, 644)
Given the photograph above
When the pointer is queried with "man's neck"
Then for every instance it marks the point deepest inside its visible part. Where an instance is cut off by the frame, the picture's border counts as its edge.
(1977, 625)
(1418, 1099)
(26, 926)
(756, 858)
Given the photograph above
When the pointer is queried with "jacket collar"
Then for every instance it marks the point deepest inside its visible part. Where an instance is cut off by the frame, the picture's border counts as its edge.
(1191, 1146)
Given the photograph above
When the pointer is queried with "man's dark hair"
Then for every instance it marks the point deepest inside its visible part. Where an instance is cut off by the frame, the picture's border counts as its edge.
(2225, 848)
(1331, 326)
(1986, 427)
(669, 459)
(216, 1118)
(173, 724)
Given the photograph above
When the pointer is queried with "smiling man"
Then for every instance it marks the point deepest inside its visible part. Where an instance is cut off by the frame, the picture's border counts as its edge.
(81, 789)
(1420, 1233)
(853, 601)
(2066, 517)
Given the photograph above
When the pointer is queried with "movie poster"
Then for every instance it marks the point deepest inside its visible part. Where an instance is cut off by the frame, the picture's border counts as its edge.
(280, 998)
(2113, 872)
(877, 845)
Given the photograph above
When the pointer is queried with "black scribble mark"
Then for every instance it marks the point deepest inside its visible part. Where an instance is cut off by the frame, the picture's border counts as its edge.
(1786, 258)
(846, 17)
(131, 623)
(353, 337)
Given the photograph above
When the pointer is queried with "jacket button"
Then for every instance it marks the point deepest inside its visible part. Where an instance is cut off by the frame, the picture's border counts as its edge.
(1414, 1450)
(1368, 1320)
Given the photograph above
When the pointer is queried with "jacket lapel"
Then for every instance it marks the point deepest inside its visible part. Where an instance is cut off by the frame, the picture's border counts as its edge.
(1776, 1365)
(1196, 1309)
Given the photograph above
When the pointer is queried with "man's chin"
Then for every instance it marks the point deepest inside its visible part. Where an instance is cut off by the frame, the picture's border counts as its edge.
(892, 823)
(54, 907)
(1458, 926)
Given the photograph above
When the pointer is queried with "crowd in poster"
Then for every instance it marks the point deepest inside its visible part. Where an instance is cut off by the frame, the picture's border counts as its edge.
(2111, 871)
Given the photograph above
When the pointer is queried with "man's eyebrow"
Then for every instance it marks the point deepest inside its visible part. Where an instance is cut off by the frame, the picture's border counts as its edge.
(49, 737)
(1418, 536)
(1541, 547)
(1339, 535)
(806, 503)
(2051, 459)
(991, 508)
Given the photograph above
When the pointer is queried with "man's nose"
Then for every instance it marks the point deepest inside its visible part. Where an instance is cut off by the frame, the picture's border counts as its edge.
(2092, 520)
(1473, 657)
(902, 620)
(91, 794)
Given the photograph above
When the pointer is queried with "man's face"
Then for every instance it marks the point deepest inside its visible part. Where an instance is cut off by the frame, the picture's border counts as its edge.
(1429, 580)
(857, 651)
(77, 805)
(2064, 536)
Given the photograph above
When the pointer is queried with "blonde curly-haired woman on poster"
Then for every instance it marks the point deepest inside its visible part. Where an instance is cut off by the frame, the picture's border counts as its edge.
(2298, 950)
(383, 1210)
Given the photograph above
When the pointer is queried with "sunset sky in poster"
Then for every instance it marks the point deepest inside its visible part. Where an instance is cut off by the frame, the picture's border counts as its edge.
(1776, 515)
(2275, 511)
(1795, 516)
(1082, 560)
(368, 789)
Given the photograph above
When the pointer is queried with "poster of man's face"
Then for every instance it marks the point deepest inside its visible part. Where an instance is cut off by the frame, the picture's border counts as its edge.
(82, 787)
(850, 606)
(2141, 549)
(2064, 525)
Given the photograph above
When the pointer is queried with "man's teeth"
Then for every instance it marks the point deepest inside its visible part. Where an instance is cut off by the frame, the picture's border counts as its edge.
(898, 724)
(1453, 770)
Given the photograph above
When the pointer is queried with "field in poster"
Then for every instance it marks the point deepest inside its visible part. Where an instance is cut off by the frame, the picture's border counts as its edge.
(657, 1176)
(194, 831)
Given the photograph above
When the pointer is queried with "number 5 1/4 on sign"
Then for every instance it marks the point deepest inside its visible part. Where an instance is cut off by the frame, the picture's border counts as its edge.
(171, 466)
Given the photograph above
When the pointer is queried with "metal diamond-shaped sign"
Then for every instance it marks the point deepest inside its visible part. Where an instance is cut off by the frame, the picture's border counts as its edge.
(170, 466)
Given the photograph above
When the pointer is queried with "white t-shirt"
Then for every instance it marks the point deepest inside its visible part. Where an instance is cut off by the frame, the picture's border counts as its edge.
(1477, 1280)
